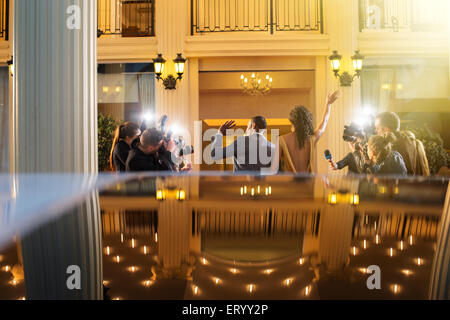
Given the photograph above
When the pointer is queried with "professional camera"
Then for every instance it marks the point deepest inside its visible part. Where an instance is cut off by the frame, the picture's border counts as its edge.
(354, 133)
(181, 148)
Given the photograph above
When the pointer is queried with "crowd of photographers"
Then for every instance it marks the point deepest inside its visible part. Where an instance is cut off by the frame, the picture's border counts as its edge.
(378, 148)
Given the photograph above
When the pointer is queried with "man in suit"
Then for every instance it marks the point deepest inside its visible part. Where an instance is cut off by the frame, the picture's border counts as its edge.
(251, 152)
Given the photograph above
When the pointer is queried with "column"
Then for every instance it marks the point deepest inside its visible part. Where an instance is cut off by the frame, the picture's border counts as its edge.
(172, 27)
(55, 87)
(55, 130)
(342, 25)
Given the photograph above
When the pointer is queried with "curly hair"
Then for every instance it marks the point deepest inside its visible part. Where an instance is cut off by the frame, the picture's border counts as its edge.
(302, 120)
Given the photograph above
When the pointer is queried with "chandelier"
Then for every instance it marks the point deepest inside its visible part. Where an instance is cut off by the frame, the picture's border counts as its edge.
(255, 86)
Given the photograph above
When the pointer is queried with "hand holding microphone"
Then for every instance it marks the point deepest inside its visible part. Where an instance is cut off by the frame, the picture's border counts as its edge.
(329, 158)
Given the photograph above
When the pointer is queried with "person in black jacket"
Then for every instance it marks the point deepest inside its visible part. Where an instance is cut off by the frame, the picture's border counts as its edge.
(152, 153)
(125, 137)
(383, 159)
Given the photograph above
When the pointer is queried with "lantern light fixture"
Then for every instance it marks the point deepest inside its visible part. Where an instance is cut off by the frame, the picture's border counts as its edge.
(346, 79)
(170, 82)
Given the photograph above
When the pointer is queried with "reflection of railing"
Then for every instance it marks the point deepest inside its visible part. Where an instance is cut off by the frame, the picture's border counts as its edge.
(130, 223)
(256, 15)
(401, 15)
(4, 20)
(128, 18)
(248, 222)
(397, 226)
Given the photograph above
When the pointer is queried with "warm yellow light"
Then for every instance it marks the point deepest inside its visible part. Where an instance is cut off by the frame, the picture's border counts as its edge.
(117, 259)
(395, 288)
(354, 251)
(365, 244)
(234, 271)
(14, 282)
(335, 65)
(11, 70)
(242, 191)
(133, 269)
(108, 250)
(145, 250)
(268, 271)
(159, 195)
(204, 261)
(105, 89)
(179, 67)
(217, 281)
(407, 272)
(181, 195)
(156, 237)
(391, 252)
(355, 199)
(196, 290)
(419, 261)
(147, 283)
(332, 198)
(258, 189)
(118, 89)
(159, 67)
(242, 77)
(105, 282)
(410, 240)
(401, 245)
(301, 261)
(121, 237)
(288, 282)
(253, 192)
(307, 290)
(363, 270)
(357, 65)
(253, 76)
(6, 268)
(251, 288)
(133, 243)
(377, 239)
(386, 86)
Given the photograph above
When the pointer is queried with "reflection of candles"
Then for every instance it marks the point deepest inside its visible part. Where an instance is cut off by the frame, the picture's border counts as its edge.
(121, 237)
(377, 239)
(354, 251)
(365, 244)
(301, 261)
(156, 237)
(288, 282)
(204, 261)
(234, 271)
(216, 280)
(251, 287)
(117, 259)
(268, 271)
(391, 252)
(401, 245)
(108, 251)
(395, 288)
(14, 282)
(133, 243)
(132, 269)
(419, 261)
(148, 283)
(195, 290)
(411, 240)
(6, 268)
(406, 272)
(145, 250)
(105, 282)
(307, 290)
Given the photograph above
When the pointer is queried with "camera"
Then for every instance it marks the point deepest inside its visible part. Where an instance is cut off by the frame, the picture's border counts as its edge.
(181, 148)
(353, 133)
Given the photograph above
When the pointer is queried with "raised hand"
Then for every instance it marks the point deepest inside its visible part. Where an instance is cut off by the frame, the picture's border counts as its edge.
(227, 126)
(332, 97)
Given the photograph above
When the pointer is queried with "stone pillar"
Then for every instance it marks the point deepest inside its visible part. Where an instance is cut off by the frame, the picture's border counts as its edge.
(55, 87)
(335, 236)
(440, 274)
(172, 27)
(55, 130)
(342, 26)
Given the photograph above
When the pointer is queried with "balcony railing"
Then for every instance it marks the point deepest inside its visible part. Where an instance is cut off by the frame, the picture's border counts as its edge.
(256, 15)
(4, 20)
(403, 15)
(126, 18)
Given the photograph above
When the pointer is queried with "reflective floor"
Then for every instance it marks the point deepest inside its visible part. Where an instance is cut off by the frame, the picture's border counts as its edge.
(226, 237)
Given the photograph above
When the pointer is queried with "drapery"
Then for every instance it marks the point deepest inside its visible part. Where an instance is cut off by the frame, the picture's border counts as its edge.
(147, 98)
(376, 88)
(4, 120)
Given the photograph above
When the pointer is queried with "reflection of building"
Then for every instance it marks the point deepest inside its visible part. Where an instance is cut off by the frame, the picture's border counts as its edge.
(239, 247)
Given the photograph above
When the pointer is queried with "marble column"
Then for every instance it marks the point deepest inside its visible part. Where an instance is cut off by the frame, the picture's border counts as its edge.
(341, 19)
(55, 130)
(172, 27)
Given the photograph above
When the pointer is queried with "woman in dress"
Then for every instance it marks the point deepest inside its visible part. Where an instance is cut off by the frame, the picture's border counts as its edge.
(296, 150)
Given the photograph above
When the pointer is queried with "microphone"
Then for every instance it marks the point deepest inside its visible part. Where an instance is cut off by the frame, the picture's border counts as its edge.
(328, 155)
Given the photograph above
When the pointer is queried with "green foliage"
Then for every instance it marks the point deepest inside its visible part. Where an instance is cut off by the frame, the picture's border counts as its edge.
(106, 127)
(434, 148)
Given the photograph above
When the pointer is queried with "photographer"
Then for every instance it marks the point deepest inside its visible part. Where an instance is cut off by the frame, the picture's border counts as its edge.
(152, 153)
(354, 160)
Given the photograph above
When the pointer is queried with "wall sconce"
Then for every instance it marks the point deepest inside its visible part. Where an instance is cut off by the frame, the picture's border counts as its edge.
(10, 64)
(170, 83)
(346, 79)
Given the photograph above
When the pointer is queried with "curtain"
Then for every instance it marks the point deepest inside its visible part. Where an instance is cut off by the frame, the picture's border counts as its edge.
(4, 119)
(377, 88)
(147, 92)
